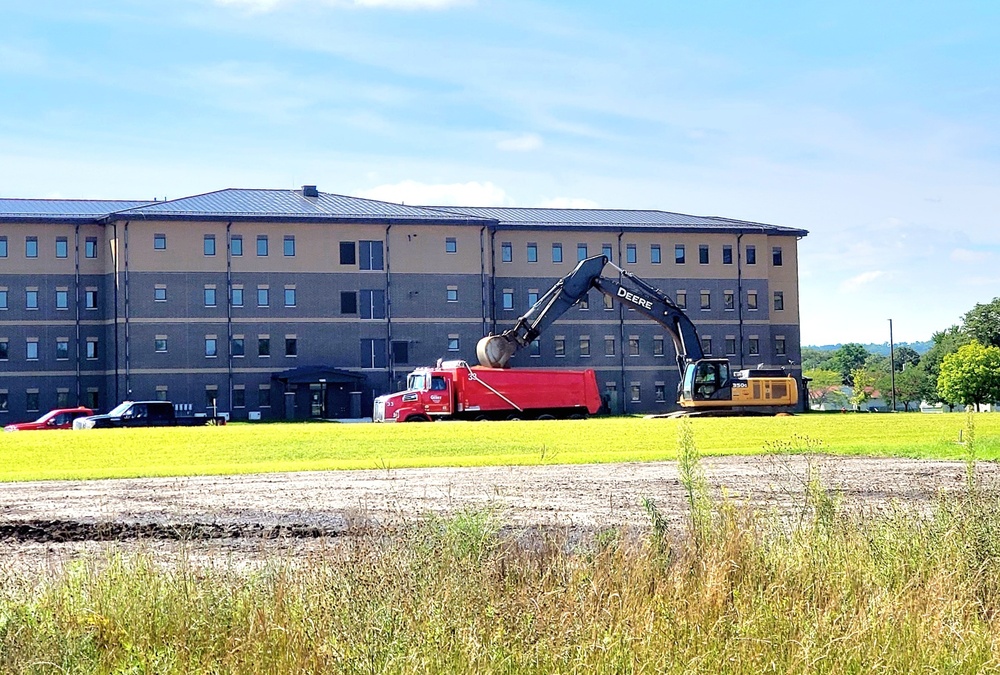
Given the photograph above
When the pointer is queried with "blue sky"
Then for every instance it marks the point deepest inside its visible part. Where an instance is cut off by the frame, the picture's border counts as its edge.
(872, 125)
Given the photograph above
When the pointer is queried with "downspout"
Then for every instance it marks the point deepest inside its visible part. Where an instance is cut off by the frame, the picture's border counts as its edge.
(229, 310)
(76, 291)
(493, 281)
(128, 371)
(739, 292)
(114, 252)
(482, 272)
(388, 309)
(621, 333)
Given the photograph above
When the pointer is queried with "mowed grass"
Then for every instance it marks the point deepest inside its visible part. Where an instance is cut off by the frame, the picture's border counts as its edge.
(262, 448)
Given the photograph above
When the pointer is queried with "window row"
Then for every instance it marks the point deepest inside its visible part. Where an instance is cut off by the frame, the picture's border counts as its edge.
(31, 248)
(633, 346)
(32, 400)
(32, 349)
(632, 253)
(366, 254)
(62, 296)
(680, 299)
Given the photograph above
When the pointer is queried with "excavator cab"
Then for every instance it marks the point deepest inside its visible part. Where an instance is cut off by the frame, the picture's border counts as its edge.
(706, 380)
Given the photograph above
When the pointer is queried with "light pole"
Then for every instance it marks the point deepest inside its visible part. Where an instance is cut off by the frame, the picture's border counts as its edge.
(892, 367)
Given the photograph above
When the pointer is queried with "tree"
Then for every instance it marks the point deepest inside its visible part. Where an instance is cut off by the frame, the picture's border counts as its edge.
(864, 387)
(982, 323)
(824, 388)
(912, 386)
(905, 356)
(945, 342)
(847, 359)
(816, 359)
(971, 375)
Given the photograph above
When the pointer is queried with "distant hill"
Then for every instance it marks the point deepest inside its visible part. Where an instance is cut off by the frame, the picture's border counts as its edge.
(883, 349)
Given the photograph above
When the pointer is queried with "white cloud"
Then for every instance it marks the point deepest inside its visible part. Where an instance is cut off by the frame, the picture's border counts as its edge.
(522, 143)
(442, 194)
(964, 255)
(270, 5)
(855, 283)
(568, 203)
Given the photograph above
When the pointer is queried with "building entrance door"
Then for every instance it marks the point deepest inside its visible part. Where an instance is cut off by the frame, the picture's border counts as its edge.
(317, 400)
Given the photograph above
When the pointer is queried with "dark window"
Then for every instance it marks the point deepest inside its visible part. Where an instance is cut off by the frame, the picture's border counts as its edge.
(660, 391)
(160, 242)
(703, 254)
(373, 353)
(450, 245)
(347, 253)
(751, 255)
(506, 252)
(730, 346)
(31, 247)
(348, 302)
(236, 245)
(453, 344)
(706, 300)
(706, 344)
(729, 300)
(559, 344)
(93, 400)
(62, 247)
(209, 244)
(31, 401)
(779, 301)
(751, 299)
(727, 255)
(262, 245)
(584, 346)
(679, 254)
(535, 348)
(400, 352)
(238, 347)
(779, 346)
(654, 254)
(630, 254)
(291, 347)
(239, 398)
(372, 304)
(682, 299)
(371, 255)
(609, 346)
(264, 397)
(633, 346)
(160, 344)
(62, 349)
(754, 346)
(4, 350)
(289, 246)
(90, 247)
(532, 253)
(776, 256)
(211, 398)
(557, 253)
(263, 346)
(658, 345)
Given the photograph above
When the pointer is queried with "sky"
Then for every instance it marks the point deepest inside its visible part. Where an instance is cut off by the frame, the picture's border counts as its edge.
(873, 125)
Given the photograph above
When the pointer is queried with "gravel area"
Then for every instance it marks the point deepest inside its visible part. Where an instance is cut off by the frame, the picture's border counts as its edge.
(45, 524)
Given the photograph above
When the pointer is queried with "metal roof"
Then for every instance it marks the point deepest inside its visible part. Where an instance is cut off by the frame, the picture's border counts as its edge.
(63, 209)
(516, 217)
(284, 205)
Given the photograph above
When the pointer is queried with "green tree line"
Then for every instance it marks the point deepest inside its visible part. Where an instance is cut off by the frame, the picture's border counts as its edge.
(962, 367)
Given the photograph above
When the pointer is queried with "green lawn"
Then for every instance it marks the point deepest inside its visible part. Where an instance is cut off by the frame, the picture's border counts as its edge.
(251, 448)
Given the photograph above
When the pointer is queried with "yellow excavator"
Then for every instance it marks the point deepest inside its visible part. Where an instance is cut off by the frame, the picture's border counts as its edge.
(707, 385)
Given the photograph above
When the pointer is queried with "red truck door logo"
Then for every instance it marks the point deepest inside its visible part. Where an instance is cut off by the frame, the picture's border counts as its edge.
(439, 396)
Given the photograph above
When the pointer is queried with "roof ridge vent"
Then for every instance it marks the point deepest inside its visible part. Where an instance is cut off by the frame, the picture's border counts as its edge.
(310, 191)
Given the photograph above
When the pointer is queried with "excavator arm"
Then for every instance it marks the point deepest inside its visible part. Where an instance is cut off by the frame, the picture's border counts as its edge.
(495, 351)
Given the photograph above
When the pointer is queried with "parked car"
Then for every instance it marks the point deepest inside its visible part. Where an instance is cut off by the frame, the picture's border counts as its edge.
(60, 418)
(145, 414)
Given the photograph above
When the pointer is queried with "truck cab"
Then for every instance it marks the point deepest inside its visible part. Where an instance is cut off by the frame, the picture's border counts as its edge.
(429, 393)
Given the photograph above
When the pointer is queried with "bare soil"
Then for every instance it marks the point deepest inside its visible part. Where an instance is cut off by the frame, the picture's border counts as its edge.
(245, 518)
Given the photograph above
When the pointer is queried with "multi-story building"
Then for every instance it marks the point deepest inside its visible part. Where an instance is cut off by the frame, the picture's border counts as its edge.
(298, 304)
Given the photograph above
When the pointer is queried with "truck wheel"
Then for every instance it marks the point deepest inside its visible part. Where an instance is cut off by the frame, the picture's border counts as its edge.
(481, 418)
(578, 416)
(546, 417)
(513, 418)
(417, 418)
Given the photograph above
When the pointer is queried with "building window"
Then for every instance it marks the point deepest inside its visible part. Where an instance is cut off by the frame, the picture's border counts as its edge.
(730, 345)
(236, 245)
(633, 345)
(373, 354)
(706, 300)
(289, 296)
(211, 347)
(609, 304)
(581, 252)
(348, 302)
(557, 253)
(751, 299)
(31, 247)
(263, 345)
(91, 348)
(31, 401)
(62, 349)
(660, 392)
(532, 252)
(776, 256)
(584, 301)
(238, 346)
(679, 254)
(506, 252)
(209, 244)
(211, 397)
(532, 297)
(728, 301)
(606, 250)
(263, 296)
(535, 347)
(779, 301)
(31, 349)
(400, 352)
(62, 247)
(4, 349)
(93, 399)
(291, 346)
(347, 253)
(31, 299)
(62, 398)
(4, 404)
(159, 242)
(289, 246)
(706, 344)
(450, 245)
(609, 345)
(703, 254)
(727, 255)
(3, 298)
(3, 247)
(453, 343)
(237, 296)
(779, 346)
(264, 396)
(261, 245)
(62, 299)
(654, 254)
(751, 255)
(754, 346)
(635, 392)
(508, 299)
(584, 345)
(559, 343)
(90, 247)
(630, 254)
(210, 296)
(160, 294)
(452, 294)
(372, 304)
(371, 255)
(239, 397)
(160, 343)
(658, 345)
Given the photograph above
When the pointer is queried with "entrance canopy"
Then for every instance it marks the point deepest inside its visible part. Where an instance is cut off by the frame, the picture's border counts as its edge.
(317, 374)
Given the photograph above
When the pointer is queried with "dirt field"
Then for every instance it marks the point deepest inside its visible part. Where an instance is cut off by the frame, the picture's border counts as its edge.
(245, 518)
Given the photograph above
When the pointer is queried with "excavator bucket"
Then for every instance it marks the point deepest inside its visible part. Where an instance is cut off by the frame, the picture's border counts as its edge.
(494, 351)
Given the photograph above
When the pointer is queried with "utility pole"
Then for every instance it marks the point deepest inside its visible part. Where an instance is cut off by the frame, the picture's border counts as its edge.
(892, 367)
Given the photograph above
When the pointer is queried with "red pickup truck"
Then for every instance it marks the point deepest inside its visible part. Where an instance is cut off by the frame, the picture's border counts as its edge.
(60, 418)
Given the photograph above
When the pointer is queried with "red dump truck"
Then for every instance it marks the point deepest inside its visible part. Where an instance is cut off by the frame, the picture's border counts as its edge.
(456, 390)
